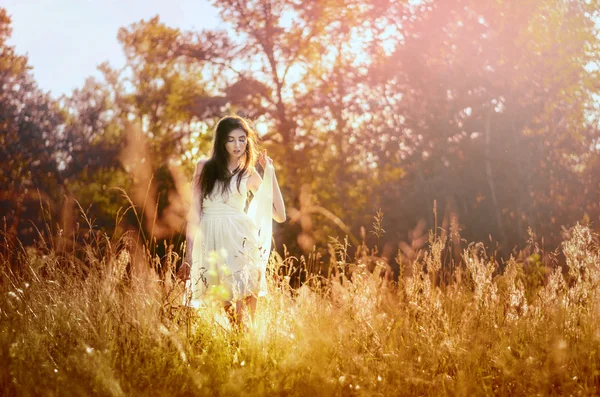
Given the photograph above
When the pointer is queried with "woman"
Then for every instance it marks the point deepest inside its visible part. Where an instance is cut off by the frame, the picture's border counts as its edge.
(228, 249)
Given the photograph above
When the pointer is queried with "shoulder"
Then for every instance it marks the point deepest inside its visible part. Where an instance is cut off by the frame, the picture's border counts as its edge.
(200, 164)
(250, 171)
(198, 171)
(254, 179)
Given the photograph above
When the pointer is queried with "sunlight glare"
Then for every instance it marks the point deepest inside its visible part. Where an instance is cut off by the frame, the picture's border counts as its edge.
(261, 128)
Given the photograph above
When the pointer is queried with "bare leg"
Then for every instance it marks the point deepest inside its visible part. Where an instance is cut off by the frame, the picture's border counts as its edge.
(240, 310)
(242, 306)
(232, 315)
(251, 304)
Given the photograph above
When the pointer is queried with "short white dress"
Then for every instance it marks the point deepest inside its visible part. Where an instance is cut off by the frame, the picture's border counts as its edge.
(231, 247)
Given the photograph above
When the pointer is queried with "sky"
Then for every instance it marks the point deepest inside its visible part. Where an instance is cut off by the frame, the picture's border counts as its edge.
(65, 40)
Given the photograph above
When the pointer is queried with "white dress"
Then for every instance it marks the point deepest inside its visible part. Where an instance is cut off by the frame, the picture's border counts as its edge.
(230, 247)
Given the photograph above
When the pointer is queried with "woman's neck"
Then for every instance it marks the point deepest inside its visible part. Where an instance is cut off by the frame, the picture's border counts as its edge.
(233, 164)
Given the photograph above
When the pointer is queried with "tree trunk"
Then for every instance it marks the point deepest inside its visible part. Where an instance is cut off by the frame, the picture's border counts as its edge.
(490, 175)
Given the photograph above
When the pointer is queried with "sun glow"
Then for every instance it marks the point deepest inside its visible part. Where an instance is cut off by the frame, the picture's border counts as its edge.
(261, 128)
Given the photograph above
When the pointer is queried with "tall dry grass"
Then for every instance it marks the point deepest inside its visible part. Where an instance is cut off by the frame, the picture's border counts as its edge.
(105, 319)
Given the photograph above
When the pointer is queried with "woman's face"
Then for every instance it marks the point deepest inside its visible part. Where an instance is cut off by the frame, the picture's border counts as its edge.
(236, 143)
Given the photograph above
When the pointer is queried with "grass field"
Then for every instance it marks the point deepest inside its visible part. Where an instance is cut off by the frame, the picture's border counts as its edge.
(101, 320)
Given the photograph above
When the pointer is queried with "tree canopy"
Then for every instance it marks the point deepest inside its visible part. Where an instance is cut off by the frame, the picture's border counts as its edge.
(485, 111)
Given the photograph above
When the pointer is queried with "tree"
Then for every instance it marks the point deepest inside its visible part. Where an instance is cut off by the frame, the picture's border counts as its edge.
(396, 105)
(30, 124)
(94, 132)
(493, 99)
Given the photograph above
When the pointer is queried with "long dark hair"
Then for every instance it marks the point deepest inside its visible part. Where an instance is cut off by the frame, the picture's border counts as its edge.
(215, 169)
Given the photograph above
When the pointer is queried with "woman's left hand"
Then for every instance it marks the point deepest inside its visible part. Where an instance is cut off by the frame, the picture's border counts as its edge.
(263, 159)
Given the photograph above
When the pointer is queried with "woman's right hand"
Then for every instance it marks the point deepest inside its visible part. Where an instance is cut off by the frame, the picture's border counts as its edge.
(263, 159)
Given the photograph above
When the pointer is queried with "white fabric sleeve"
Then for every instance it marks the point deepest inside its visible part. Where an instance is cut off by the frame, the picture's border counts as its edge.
(261, 212)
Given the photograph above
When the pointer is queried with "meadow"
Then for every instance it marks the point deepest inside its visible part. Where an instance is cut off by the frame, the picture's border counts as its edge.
(105, 318)
(487, 110)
